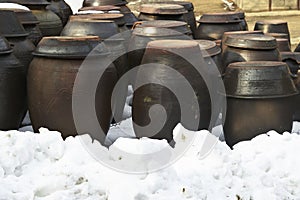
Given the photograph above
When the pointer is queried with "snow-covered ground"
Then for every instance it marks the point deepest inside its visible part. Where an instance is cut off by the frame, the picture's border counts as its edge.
(44, 167)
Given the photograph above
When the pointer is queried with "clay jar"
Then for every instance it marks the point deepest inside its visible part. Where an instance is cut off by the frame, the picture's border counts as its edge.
(223, 46)
(260, 98)
(140, 38)
(273, 26)
(241, 48)
(50, 24)
(213, 25)
(78, 27)
(117, 18)
(162, 12)
(163, 92)
(12, 88)
(189, 16)
(51, 77)
(211, 53)
(17, 36)
(30, 24)
(61, 9)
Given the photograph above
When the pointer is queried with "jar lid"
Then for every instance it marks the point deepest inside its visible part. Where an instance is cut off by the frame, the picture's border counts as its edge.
(259, 80)
(252, 41)
(271, 22)
(179, 26)
(117, 18)
(66, 47)
(163, 9)
(208, 48)
(10, 26)
(5, 48)
(100, 8)
(186, 4)
(155, 32)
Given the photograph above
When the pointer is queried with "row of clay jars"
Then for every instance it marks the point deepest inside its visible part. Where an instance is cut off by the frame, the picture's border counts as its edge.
(17, 37)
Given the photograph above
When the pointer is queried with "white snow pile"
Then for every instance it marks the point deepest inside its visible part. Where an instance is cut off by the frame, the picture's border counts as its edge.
(45, 167)
(13, 5)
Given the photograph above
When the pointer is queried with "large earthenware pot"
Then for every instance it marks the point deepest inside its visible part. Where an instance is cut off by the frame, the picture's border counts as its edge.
(51, 77)
(162, 12)
(213, 25)
(78, 27)
(140, 38)
(50, 24)
(273, 26)
(189, 16)
(211, 53)
(179, 26)
(12, 88)
(241, 48)
(117, 18)
(61, 9)
(260, 98)
(16, 35)
(171, 53)
(296, 116)
(225, 34)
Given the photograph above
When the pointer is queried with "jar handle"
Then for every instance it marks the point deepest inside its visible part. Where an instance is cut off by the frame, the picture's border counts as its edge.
(136, 24)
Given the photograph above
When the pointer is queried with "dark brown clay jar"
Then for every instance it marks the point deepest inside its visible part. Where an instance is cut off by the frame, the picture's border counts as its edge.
(260, 97)
(117, 18)
(211, 53)
(16, 35)
(12, 88)
(79, 27)
(50, 24)
(87, 3)
(212, 26)
(225, 34)
(283, 45)
(162, 12)
(189, 16)
(61, 9)
(244, 48)
(30, 24)
(162, 94)
(142, 36)
(51, 79)
(296, 116)
(273, 26)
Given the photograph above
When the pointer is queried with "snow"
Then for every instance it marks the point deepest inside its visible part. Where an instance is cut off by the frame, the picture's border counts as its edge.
(43, 166)
(13, 5)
